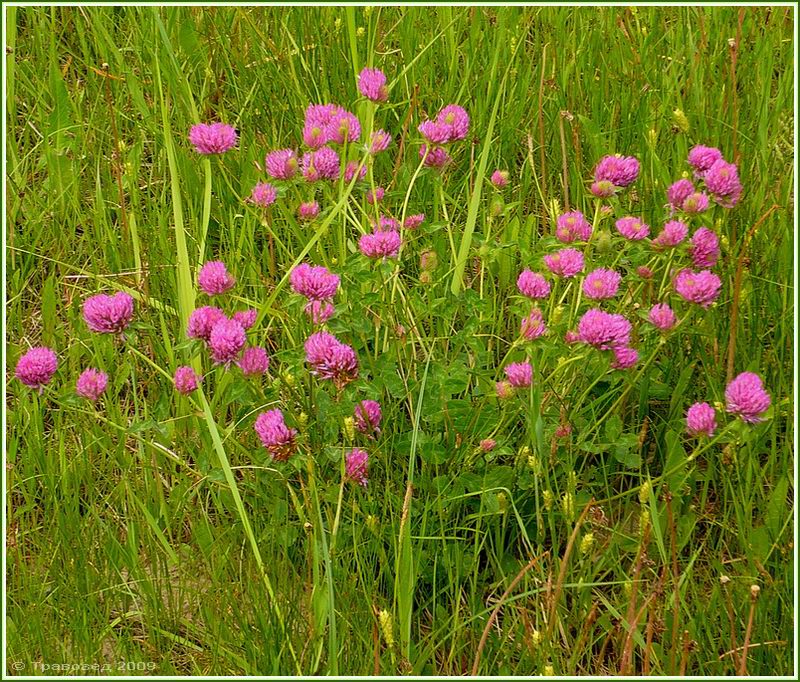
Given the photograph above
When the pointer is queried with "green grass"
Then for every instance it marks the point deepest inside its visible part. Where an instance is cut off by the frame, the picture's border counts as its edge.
(156, 531)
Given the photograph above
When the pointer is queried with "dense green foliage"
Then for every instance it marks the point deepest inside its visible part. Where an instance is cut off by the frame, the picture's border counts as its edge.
(154, 530)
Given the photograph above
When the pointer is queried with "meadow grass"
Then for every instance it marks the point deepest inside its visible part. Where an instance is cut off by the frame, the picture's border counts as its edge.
(153, 535)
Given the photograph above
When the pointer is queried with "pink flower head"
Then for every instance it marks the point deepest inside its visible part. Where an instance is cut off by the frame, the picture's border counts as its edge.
(533, 326)
(624, 357)
(214, 278)
(282, 164)
(91, 384)
(331, 359)
(604, 330)
(381, 244)
(319, 311)
(455, 120)
(350, 171)
(487, 444)
(562, 431)
(632, 228)
(620, 171)
(571, 337)
(315, 282)
(702, 158)
(601, 283)
(603, 189)
(186, 380)
(644, 272)
(376, 195)
(572, 227)
(705, 248)
(202, 321)
(212, 138)
(308, 210)
(565, 263)
(701, 419)
(343, 127)
(227, 338)
(533, 285)
(745, 397)
(368, 417)
(695, 203)
(412, 222)
(722, 181)
(437, 157)
(678, 191)
(520, 374)
(434, 132)
(108, 314)
(662, 317)
(698, 287)
(254, 361)
(385, 224)
(37, 367)
(275, 436)
(320, 165)
(246, 318)
(674, 233)
(315, 128)
(263, 194)
(372, 84)
(499, 178)
(504, 389)
(355, 466)
(379, 141)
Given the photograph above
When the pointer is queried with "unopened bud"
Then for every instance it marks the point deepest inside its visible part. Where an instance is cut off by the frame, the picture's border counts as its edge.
(502, 501)
(644, 492)
(372, 523)
(385, 619)
(587, 543)
(603, 241)
(754, 590)
(425, 277)
(497, 207)
(547, 499)
(288, 379)
(572, 481)
(557, 315)
(349, 428)
(302, 421)
(644, 521)
(680, 121)
(548, 671)
(568, 506)
(536, 638)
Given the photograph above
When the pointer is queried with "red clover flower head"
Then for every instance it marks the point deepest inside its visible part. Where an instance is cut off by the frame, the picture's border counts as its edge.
(705, 248)
(331, 359)
(254, 361)
(572, 226)
(282, 164)
(701, 287)
(745, 397)
(412, 222)
(202, 321)
(106, 314)
(319, 312)
(368, 417)
(212, 138)
(533, 285)
(604, 330)
(227, 338)
(662, 317)
(674, 233)
(565, 263)
(315, 282)
(620, 171)
(380, 244)
(601, 283)
(632, 228)
(624, 357)
(186, 380)
(372, 84)
(263, 194)
(246, 318)
(520, 374)
(499, 178)
(701, 420)
(379, 141)
(214, 278)
(701, 158)
(678, 191)
(275, 436)
(308, 210)
(722, 181)
(91, 384)
(437, 157)
(533, 326)
(355, 466)
(37, 367)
